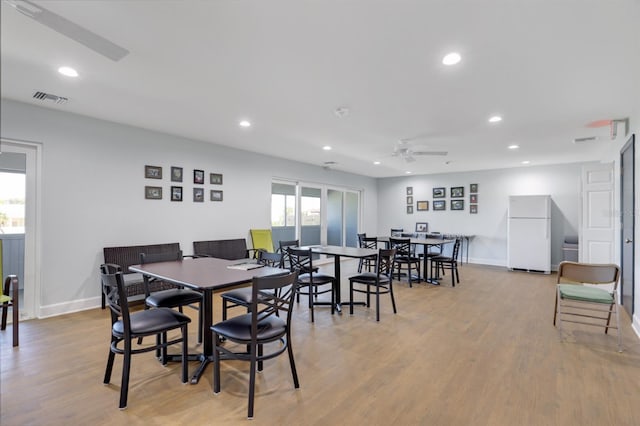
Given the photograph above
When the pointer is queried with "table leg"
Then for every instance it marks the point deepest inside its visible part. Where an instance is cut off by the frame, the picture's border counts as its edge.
(337, 289)
(207, 336)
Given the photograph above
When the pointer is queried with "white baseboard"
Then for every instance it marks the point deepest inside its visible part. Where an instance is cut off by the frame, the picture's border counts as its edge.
(69, 307)
(635, 324)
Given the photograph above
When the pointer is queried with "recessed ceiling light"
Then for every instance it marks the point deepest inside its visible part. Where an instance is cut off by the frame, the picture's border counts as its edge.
(376, 162)
(326, 148)
(495, 119)
(408, 172)
(513, 146)
(526, 162)
(68, 71)
(244, 123)
(451, 58)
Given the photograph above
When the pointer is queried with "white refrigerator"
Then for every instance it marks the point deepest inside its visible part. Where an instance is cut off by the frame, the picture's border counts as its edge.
(529, 233)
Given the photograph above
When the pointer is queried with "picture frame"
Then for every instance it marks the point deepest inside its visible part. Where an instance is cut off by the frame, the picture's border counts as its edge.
(153, 192)
(176, 174)
(198, 176)
(215, 178)
(457, 191)
(176, 193)
(439, 205)
(198, 195)
(439, 193)
(422, 206)
(215, 195)
(409, 190)
(153, 172)
(409, 209)
(410, 199)
(473, 188)
(422, 227)
(457, 204)
(473, 198)
(473, 209)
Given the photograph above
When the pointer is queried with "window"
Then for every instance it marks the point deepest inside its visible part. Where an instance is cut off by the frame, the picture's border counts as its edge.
(12, 203)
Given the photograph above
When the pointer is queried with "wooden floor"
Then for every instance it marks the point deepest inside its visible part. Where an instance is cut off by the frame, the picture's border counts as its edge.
(482, 353)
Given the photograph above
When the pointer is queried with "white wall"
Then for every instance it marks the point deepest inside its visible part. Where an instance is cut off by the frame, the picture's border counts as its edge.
(93, 194)
(489, 225)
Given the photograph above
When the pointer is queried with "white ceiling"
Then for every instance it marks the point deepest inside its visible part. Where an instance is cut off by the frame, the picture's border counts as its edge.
(196, 68)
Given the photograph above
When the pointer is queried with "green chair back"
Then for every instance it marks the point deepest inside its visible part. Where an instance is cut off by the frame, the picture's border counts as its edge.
(262, 240)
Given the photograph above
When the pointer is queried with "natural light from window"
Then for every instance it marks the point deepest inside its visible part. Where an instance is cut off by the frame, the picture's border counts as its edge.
(12, 202)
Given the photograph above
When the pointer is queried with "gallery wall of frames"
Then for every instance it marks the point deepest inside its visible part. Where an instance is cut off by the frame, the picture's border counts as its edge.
(443, 198)
(176, 188)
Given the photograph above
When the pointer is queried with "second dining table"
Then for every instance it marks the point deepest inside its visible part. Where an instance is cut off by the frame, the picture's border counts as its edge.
(205, 274)
(337, 252)
(426, 243)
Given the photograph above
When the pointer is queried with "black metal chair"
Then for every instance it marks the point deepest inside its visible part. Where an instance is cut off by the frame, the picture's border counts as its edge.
(126, 327)
(251, 334)
(9, 299)
(173, 297)
(380, 282)
(405, 258)
(311, 283)
(442, 262)
(242, 296)
(367, 263)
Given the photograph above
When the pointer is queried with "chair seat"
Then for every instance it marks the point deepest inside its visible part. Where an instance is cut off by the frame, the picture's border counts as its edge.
(407, 259)
(239, 328)
(5, 298)
(368, 278)
(584, 293)
(173, 298)
(152, 321)
(305, 279)
(241, 296)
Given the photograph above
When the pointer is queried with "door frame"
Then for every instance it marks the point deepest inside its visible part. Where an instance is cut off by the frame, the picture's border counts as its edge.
(627, 268)
(33, 222)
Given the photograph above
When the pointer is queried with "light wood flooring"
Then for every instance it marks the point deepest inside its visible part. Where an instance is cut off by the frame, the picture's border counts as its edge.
(482, 353)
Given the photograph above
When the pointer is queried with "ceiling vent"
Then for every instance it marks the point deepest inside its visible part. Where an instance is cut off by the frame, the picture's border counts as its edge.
(49, 97)
(585, 139)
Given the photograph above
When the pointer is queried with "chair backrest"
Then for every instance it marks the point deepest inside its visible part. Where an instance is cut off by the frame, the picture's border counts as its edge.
(369, 242)
(360, 238)
(231, 249)
(456, 249)
(282, 248)
(396, 232)
(300, 260)
(401, 245)
(262, 239)
(588, 273)
(115, 295)
(385, 263)
(160, 257)
(272, 295)
(270, 259)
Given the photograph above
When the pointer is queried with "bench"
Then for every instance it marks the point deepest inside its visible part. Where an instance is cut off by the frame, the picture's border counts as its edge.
(223, 249)
(126, 256)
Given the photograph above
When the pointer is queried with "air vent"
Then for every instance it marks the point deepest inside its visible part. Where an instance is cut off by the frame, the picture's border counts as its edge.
(49, 97)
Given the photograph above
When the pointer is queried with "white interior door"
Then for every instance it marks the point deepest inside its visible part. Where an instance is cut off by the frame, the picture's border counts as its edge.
(597, 228)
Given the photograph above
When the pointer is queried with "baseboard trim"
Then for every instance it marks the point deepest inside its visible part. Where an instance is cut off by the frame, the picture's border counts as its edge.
(69, 307)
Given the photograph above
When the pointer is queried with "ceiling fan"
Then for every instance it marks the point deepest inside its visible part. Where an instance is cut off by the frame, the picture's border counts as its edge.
(69, 29)
(407, 152)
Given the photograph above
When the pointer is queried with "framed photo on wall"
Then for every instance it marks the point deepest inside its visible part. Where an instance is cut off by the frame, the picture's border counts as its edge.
(176, 174)
(457, 204)
(198, 195)
(153, 192)
(439, 205)
(176, 193)
(473, 188)
(153, 172)
(473, 198)
(457, 191)
(410, 199)
(422, 227)
(216, 195)
(422, 206)
(439, 193)
(409, 190)
(198, 176)
(409, 209)
(473, 209)
(215, 178)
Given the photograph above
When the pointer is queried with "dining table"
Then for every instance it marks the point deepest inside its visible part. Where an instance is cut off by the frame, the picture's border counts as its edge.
(338, 252)
(426, 243)
(207, 275)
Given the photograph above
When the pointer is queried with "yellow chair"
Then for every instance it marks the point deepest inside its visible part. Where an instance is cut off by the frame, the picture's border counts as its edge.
(587, 290)
(262, 240)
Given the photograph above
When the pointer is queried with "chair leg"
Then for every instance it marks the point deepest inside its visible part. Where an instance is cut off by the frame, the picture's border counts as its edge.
(126, 368)
(260, 353)
(311, 302)
(377, 302)
(393, 299)
(5, 309)
(109, 369)
(555, 310)
(252, 384)
(185, 354)
(350, 297)
(294, 372)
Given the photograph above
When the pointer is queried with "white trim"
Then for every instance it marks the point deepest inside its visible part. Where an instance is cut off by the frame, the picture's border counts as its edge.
(69, 307)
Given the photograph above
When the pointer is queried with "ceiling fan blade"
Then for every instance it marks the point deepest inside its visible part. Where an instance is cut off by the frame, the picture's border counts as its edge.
(409, 159)
(440, 153)
(70, 29)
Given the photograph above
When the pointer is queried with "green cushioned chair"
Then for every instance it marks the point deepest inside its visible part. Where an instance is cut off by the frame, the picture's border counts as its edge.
(262, 240)
(588, 291)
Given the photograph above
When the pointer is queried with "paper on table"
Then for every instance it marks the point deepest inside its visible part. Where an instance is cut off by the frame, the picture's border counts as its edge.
(245, 266)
